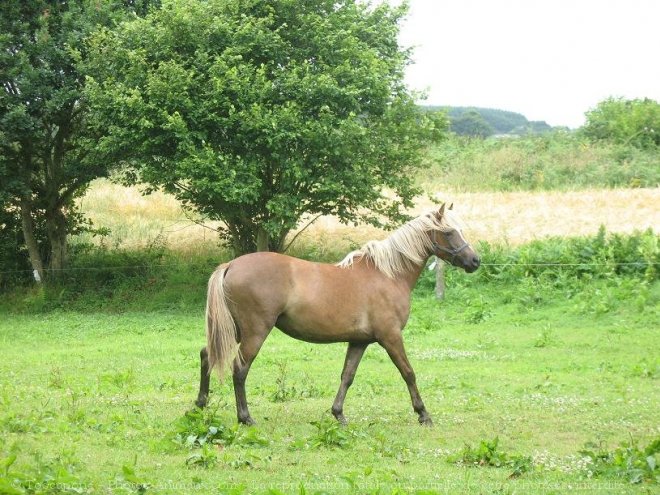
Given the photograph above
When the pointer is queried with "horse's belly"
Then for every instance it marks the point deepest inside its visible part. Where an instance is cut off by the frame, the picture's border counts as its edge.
(325, 329)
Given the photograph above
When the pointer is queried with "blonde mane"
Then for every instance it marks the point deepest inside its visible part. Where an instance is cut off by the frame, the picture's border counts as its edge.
(406, 247)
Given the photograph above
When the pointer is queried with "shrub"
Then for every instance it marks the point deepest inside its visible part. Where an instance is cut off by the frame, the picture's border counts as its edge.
(635, 122)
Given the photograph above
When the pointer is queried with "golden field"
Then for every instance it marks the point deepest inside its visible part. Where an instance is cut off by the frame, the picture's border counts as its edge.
(135, 220)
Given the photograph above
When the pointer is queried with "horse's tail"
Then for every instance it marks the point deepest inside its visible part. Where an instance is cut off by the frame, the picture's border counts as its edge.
(221, 332)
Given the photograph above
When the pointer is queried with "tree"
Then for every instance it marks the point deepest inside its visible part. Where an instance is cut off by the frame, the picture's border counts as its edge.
(635, 122)
(47, 150)
(257, 113)
(471, 123)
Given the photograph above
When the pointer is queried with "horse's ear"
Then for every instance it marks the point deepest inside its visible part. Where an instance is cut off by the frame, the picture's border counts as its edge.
(451, 206)
(441, 211)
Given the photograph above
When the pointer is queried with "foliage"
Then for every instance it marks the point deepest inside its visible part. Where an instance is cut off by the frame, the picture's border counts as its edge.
(14, 262)
(634, 122)
(553, 161)
(48, 153)
(158, 278)
(471, 123)
(199, 428)
(487, 454)
(559, 263)
(627, 461)
(45, 476)
(498, 121)
(330, 433)
(257, 113)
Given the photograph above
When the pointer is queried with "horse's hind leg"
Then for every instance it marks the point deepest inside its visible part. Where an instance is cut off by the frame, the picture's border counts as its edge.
(249, 349)
(204, 379)
(393, 344)
(353, 356)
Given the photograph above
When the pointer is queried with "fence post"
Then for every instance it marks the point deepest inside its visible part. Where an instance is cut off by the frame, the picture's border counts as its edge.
(439, 279)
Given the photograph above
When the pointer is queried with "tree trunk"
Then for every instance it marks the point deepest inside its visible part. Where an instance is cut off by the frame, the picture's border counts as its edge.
(263, 239)
(57, 237)
(31, 240)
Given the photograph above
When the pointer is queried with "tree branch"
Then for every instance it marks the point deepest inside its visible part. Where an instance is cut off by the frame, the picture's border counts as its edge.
(301, 231)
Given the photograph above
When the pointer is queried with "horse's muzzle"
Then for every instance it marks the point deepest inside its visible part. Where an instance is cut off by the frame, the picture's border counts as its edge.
(473, 264)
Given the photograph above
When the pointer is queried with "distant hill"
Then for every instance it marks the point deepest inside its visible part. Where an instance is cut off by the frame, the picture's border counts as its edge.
(475, 121)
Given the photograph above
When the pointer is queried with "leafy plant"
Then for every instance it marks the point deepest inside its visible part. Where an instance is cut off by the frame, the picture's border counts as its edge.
(206, 457)
(487, 454)
(136, 484)
(284, 391)
(477, 311)
(201, 427)
(545, 338)
(330, 434)
(628, 461)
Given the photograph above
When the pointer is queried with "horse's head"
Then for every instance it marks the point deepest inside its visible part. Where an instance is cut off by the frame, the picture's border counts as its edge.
(449, 244)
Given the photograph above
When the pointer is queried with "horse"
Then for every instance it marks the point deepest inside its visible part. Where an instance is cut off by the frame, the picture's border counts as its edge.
(363, 299)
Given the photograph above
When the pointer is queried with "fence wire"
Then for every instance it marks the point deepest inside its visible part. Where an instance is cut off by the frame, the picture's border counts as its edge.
(172, 265)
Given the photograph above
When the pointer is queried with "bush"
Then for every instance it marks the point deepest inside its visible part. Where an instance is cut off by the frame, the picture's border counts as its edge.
(560, 262)
(634, 122)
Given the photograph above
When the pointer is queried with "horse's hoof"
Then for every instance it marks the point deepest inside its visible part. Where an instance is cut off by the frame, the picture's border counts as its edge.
(342, 419)
(426, 421)
(247, 421)
(201, 403)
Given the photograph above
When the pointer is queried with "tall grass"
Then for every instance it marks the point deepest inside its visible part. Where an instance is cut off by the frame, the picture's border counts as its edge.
(557, 161)
(158, 278)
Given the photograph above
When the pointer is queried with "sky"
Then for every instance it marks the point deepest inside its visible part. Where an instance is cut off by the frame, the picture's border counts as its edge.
(550, 60)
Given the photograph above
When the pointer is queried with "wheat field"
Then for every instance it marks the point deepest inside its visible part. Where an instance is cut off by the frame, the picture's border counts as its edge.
(136, 220)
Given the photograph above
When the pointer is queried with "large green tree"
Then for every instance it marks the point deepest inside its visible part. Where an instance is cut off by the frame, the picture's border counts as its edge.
(259, 112)
(48, 153)
(471, 123)
(635, 122)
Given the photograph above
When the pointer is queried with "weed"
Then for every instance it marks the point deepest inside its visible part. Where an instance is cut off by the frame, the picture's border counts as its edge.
(627, 461)
(478, 311)
(545, 338)
(206, 457)
(488, 455)
(43, 477)
(201, 427)
(132, 482)
(119, 379)
(330, 434)
(284, 391)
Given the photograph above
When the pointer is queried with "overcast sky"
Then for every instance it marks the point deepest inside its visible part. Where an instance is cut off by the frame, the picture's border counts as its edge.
(550, 60)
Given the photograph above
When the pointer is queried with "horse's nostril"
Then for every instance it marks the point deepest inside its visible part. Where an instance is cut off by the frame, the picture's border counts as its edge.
(476, 261)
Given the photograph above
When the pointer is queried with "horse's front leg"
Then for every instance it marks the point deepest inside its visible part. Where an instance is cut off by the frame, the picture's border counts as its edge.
(393, 344)
(204, 379)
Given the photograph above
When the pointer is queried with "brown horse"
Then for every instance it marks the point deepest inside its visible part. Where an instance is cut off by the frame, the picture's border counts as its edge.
(361, 300)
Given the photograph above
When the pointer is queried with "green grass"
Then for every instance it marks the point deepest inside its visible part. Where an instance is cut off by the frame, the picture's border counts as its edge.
(97, 401)
(556, 161)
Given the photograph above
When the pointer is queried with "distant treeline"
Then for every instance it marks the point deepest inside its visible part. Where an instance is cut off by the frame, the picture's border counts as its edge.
(483, 122)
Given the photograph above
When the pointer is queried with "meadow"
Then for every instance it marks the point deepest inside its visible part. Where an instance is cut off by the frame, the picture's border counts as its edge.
(540, 389)
(540, 370)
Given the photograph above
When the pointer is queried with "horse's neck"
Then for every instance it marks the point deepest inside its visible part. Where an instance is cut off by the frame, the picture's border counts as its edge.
(412, 275)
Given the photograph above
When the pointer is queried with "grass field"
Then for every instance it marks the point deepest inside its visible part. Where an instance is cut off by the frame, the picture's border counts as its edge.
(97, 402)
(541, 379)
